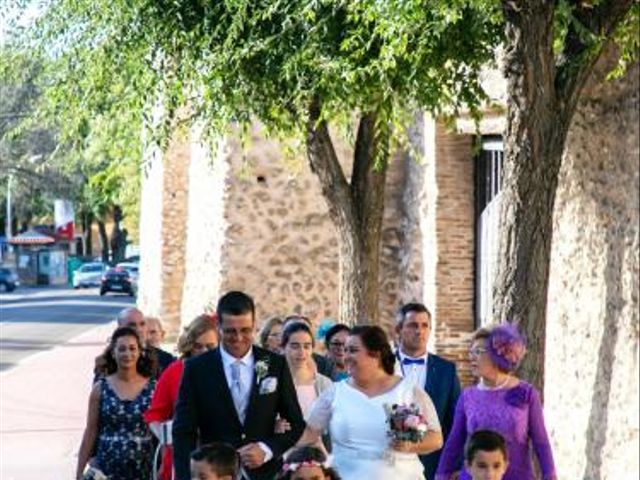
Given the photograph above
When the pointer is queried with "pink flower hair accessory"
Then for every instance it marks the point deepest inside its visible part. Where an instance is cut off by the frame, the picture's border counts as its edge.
(293, 467)
(506, 347)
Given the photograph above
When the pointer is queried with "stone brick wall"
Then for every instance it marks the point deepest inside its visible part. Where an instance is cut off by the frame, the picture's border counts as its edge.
(591, 390)
(449, 241)
(257, 222)
(280, 244)
(163, 223)
(206, 227)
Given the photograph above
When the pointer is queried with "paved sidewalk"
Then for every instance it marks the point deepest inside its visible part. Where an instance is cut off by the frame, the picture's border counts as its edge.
(43, 403)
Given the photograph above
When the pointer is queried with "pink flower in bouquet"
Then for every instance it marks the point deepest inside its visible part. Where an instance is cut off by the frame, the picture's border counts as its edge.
(412, 422)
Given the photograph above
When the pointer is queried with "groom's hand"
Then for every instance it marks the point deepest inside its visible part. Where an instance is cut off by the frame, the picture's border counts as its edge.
(251, 455)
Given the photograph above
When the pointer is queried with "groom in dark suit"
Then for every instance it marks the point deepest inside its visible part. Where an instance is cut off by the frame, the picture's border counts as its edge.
(233, 394)
(434, 374)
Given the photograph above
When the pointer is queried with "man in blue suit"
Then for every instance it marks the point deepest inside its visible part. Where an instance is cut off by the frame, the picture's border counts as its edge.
(434, 374)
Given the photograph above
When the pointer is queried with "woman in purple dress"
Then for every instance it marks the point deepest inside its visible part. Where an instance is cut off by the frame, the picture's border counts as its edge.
(502, 403)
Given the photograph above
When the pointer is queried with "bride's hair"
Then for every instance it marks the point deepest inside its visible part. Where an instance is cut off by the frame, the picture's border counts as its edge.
(307, 457)
(377, 344)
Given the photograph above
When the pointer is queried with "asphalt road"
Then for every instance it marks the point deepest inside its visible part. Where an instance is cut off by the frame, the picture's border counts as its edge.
(36, 319)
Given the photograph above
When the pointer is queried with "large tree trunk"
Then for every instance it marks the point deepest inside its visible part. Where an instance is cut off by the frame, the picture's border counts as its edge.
(356, 208)
(104, 241)
(541, 101)
(118, 237)
(87, 234)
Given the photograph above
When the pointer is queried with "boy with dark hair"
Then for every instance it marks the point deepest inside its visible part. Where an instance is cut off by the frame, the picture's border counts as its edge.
(215, 461)
(485, 455)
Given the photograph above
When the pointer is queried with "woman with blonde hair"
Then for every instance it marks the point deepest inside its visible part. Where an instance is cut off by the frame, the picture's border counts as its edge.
(271, 334)
(198, 337)
(502, 403)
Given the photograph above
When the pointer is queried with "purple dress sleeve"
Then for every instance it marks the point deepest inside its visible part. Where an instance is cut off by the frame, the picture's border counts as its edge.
(539, 437)
(451, 458)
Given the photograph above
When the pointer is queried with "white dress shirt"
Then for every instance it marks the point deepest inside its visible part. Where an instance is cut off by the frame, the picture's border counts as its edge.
(247, 373)
(416, 374)
(247, 364)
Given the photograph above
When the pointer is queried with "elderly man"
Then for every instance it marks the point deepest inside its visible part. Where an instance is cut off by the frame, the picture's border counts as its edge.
(430, 372)
(155, 331)
(134, 318)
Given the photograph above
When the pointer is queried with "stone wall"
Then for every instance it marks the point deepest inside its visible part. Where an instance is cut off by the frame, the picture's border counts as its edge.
(449, 240)
(591, 390)
(258, 222)
(206, 227)
(163, 223)
(280, 244)
(401, 256)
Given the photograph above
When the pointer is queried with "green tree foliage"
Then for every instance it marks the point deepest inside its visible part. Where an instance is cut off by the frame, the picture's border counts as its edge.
(294, 66)
(55, 152)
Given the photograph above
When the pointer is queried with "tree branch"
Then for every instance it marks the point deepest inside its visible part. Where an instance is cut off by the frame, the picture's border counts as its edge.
(325, 165)
(578, 55)
(367, 181)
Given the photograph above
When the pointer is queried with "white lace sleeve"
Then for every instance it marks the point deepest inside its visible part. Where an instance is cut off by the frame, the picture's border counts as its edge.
(426, 407)
(321, 410)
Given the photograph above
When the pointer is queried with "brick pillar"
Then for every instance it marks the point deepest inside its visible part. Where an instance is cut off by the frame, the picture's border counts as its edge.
(448, 245)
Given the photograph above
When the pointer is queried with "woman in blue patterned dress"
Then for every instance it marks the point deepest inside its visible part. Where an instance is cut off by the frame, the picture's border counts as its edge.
(116, 432)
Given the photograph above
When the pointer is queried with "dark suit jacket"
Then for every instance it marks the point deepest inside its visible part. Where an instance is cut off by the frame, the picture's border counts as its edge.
(443, 387)
(323, 364)
(205, 412)
(164, 358)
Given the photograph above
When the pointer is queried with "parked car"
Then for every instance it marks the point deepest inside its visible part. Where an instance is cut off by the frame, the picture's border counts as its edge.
(118, 280)
(132, 267)
(8, 280)
(88, 275)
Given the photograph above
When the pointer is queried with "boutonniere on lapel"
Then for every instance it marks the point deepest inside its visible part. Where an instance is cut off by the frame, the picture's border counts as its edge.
(266, 384)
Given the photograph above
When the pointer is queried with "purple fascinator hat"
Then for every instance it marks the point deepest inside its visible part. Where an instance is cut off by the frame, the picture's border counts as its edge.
(506, 347)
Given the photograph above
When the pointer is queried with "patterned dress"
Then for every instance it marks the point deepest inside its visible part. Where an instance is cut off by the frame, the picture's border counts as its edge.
(124, 449)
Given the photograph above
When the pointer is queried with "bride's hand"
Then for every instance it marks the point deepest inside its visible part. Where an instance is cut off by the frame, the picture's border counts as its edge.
(404, 447)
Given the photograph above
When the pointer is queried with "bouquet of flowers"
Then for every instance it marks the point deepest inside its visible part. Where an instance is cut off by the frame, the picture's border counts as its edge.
(406, 423)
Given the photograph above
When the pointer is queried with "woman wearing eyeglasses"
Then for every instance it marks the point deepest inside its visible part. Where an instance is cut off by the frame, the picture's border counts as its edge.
(271, 334)
(199, 336)
(502, 403)
(335, 341)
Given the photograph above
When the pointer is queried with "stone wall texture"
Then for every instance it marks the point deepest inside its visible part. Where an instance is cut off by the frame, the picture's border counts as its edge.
(591, 391)
(449, 241)
(206, 227)
(280, 244)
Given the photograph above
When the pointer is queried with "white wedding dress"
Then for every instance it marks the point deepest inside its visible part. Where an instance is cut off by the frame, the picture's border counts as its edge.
(358, 428)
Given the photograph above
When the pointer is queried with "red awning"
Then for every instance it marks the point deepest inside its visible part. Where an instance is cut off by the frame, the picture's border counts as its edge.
(31, 237)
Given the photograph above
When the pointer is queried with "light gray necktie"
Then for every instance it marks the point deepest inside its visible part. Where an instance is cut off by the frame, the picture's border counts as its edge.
(238, 390)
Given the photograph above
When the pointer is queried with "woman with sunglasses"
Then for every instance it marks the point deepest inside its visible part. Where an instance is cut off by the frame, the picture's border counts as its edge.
(199, 336)
(502, 403)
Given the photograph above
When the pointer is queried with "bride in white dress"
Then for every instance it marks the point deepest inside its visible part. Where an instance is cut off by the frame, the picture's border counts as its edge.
(354, 414)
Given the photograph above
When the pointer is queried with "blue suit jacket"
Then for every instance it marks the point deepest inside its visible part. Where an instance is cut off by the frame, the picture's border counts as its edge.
(443, 387)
